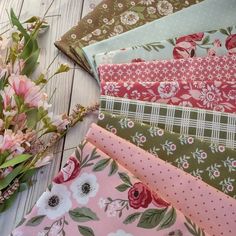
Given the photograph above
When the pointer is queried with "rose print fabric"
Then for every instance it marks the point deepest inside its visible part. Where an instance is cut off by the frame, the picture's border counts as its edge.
(126, 15)
(211, 126)
(215, 165)
(221, 68)
(216, 42)
(204, 16)
(79, 202)
(102, 14)
(210, 95)
(211, 209)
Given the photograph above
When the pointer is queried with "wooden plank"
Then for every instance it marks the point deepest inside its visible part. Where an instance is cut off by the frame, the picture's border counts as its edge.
(85, 92)
(68, 13)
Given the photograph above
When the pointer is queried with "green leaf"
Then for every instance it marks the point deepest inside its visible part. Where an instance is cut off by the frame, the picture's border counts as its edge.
(193, 229)
(86, 231)
(138, 9)
(125, 178)
(122, 187)
(27, 175)
(16, 160)
(151, 218)
(114, 168)
(131, 218)
(32, 118)
(35, 220)
(171, 41)
(63, 68)
(225, 32)
(32, 19)
(31, 63)
(101, 165)
(83, 214)
(206, 40)
(7, 180)
(168, 220)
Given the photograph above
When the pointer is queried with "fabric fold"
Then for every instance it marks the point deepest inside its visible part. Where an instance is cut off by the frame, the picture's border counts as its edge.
(211, 126)
(211, 209)
(214, 68)
(209, 95)
(204, 16)
(93, 190)
(213, 164)
(200, 44)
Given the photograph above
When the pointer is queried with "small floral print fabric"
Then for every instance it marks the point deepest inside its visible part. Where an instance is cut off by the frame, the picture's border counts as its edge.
(220, 68)
(79, 202)
(215, 42)
(211, 209)
(210, 95)
(102, 14)
(210, 126)
(205, 16)
(215, 165)
(134, 14)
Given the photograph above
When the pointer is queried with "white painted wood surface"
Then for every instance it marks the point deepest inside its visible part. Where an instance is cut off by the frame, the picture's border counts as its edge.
(72, 88)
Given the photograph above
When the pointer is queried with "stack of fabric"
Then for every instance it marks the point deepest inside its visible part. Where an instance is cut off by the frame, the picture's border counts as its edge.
(161, 159)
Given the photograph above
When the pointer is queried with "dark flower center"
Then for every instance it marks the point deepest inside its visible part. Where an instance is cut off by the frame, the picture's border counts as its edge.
(136, 193)
(86, 188)
(53, 201)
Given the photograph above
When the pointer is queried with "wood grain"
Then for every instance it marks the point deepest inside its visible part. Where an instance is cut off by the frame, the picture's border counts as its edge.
(72, 88)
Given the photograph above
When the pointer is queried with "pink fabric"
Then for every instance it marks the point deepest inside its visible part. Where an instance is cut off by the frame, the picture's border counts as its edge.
(91, 215)
(197, 68)
(212, 95)
(210, 209)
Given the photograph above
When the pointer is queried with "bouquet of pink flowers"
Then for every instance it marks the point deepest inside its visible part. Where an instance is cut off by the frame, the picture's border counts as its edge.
(25, 119)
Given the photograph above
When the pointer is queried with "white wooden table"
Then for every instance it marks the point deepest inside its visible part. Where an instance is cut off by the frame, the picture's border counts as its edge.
(74, 87)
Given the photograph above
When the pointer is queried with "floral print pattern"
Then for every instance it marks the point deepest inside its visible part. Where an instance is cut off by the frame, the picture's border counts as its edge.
(212, 163)
(85, 202)
(210, 95)
(216, 42)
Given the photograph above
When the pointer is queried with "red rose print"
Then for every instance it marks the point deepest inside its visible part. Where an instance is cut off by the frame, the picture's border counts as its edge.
(230, 44)
(185, 46)
(69, 171)
(159, 202)
(137, 60)
(139, 196)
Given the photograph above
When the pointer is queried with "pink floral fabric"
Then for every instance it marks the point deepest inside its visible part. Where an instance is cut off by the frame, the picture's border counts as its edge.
(92, 191)
(210, 209)
(221, 68)
(211, 95)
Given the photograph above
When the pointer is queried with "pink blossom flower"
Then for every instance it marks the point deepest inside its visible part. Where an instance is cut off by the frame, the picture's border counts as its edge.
(60, 121)
(27, 89)
(8, 98)
(217, 43)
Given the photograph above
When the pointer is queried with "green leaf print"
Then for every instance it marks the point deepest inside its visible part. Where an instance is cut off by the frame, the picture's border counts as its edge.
(86, 231)
(131, 218)
(168, 220)
(101, 165)
(151, 218)
(193, 228)
(122, 187)
(125, 178)
(83, 214)
(35, 220)
(113, 168)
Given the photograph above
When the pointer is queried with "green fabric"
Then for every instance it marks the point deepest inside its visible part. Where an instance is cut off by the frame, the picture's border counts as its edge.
(215, 165)
(210, 126)
(139, 13)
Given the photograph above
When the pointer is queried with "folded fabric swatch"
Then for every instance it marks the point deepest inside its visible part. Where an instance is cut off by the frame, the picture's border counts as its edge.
(215, 165)
(216, 42)
(138, 13)
(211, 209)
(103, 13)
(205, 16)
(79, 202)
(210, 126)
(210, 95)
(221, 68)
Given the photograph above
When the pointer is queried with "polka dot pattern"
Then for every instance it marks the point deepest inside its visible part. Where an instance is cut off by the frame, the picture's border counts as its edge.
(188, 194)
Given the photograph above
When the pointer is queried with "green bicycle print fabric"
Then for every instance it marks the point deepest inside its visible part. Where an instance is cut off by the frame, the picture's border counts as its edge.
(215, 165)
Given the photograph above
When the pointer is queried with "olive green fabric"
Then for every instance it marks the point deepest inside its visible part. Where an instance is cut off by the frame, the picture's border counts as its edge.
(214, 164)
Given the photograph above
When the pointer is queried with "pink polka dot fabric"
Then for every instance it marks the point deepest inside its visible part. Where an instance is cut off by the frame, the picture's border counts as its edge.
(198, 68)
(210, 209)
